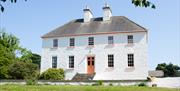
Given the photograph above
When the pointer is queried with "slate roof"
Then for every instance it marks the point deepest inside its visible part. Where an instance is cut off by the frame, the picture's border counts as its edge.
(95, 26)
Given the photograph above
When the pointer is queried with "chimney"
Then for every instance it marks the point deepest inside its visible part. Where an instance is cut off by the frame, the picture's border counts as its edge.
(107, 12)
(87, 14)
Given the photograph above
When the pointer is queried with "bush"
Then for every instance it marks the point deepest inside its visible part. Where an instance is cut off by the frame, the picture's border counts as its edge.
(110, 84)
(142, 85)
(98, 83)
(53, 74)
(31, 82)
(23, 70)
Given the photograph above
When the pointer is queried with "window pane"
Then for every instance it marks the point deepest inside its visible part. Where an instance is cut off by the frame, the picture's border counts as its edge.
(71, 61)
(91, 41)
(72, 42)
(88, 63)
(130, 60)
(55, 42)
(111, 60)
(54, 62)
(92, 63)
(130, 38)
(110, 40)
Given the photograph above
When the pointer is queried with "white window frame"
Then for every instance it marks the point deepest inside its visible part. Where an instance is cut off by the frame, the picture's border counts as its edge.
(55, 43)
(71, 62)
(91, 41)
(130, 58)
(54, 61)
(110, 40)
(72, 42)
(130, 39)
(110, 60)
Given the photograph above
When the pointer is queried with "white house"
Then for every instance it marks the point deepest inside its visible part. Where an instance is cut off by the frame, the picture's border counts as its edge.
(108, 47)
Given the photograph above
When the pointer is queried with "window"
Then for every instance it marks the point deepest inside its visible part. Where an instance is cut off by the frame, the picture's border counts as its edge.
(110, 40)
(71, 61)
(54, 62)
(111, 60)
(91, 41)
(72, 42)
(55, 42)
(130, 38)
(130, 60)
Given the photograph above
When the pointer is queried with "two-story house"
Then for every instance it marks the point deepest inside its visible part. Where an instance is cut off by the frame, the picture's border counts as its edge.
(110, 47)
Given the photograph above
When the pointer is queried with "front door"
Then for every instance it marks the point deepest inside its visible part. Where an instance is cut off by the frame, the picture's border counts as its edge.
(90, 65)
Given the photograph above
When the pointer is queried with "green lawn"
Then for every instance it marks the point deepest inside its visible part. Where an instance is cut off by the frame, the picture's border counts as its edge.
(78, 88)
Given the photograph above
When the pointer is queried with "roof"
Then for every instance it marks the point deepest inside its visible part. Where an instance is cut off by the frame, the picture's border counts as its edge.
(96, 26)
(156, 73)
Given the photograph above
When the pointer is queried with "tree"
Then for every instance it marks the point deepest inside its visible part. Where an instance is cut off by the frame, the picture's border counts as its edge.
(11, 51)
(169, 70)
(32, 57)
(8, 45)
(138, 3)
(23, 70)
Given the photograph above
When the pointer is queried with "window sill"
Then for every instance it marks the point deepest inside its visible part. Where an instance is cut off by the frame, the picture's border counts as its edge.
(130, 44)
(54, 48)
(110, 68)
(90, 46)
(131, 67)
(70, 69)
(71, 46)
(111, 44)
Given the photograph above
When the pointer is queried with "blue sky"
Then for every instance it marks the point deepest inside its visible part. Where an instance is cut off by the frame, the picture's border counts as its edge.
(30, 20)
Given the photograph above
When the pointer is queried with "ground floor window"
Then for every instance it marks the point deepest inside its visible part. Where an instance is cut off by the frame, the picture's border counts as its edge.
(71, 61)
(110, 60)
(54, 62)
(130, 60)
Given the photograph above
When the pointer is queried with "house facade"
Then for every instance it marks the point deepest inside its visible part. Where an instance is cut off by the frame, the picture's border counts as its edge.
(110, 47)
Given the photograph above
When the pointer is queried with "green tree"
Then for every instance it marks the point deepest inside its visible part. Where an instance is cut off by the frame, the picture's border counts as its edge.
(8, 46)
(169, 70)
(138, 3)
(32, 57)
(10, 52)
(23, 70)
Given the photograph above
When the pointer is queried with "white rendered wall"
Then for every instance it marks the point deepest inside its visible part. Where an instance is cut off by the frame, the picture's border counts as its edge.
(120, 71)
(107, 14)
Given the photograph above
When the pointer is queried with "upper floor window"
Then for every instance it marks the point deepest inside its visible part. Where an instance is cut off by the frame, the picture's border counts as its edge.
(71, 42)
(130, 38)
(110, 40)
(54, 62)
(110, 60)
(130, 60)
(71, 61)
(55, 42)
(91, 41)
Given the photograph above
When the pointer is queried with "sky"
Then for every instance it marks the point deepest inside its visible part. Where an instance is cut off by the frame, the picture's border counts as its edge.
(30, 20)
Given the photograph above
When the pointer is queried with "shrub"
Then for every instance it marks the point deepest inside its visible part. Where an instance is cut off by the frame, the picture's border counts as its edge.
(142, 85)
(23, 70)
(98, 83)
(154, 85)
(53, 74)
(110, 84)
(31, 82)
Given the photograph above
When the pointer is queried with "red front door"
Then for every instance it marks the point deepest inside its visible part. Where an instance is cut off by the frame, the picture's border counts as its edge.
(90, 65)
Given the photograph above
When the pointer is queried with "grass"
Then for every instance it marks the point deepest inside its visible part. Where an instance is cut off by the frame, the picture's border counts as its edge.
(79, 88)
